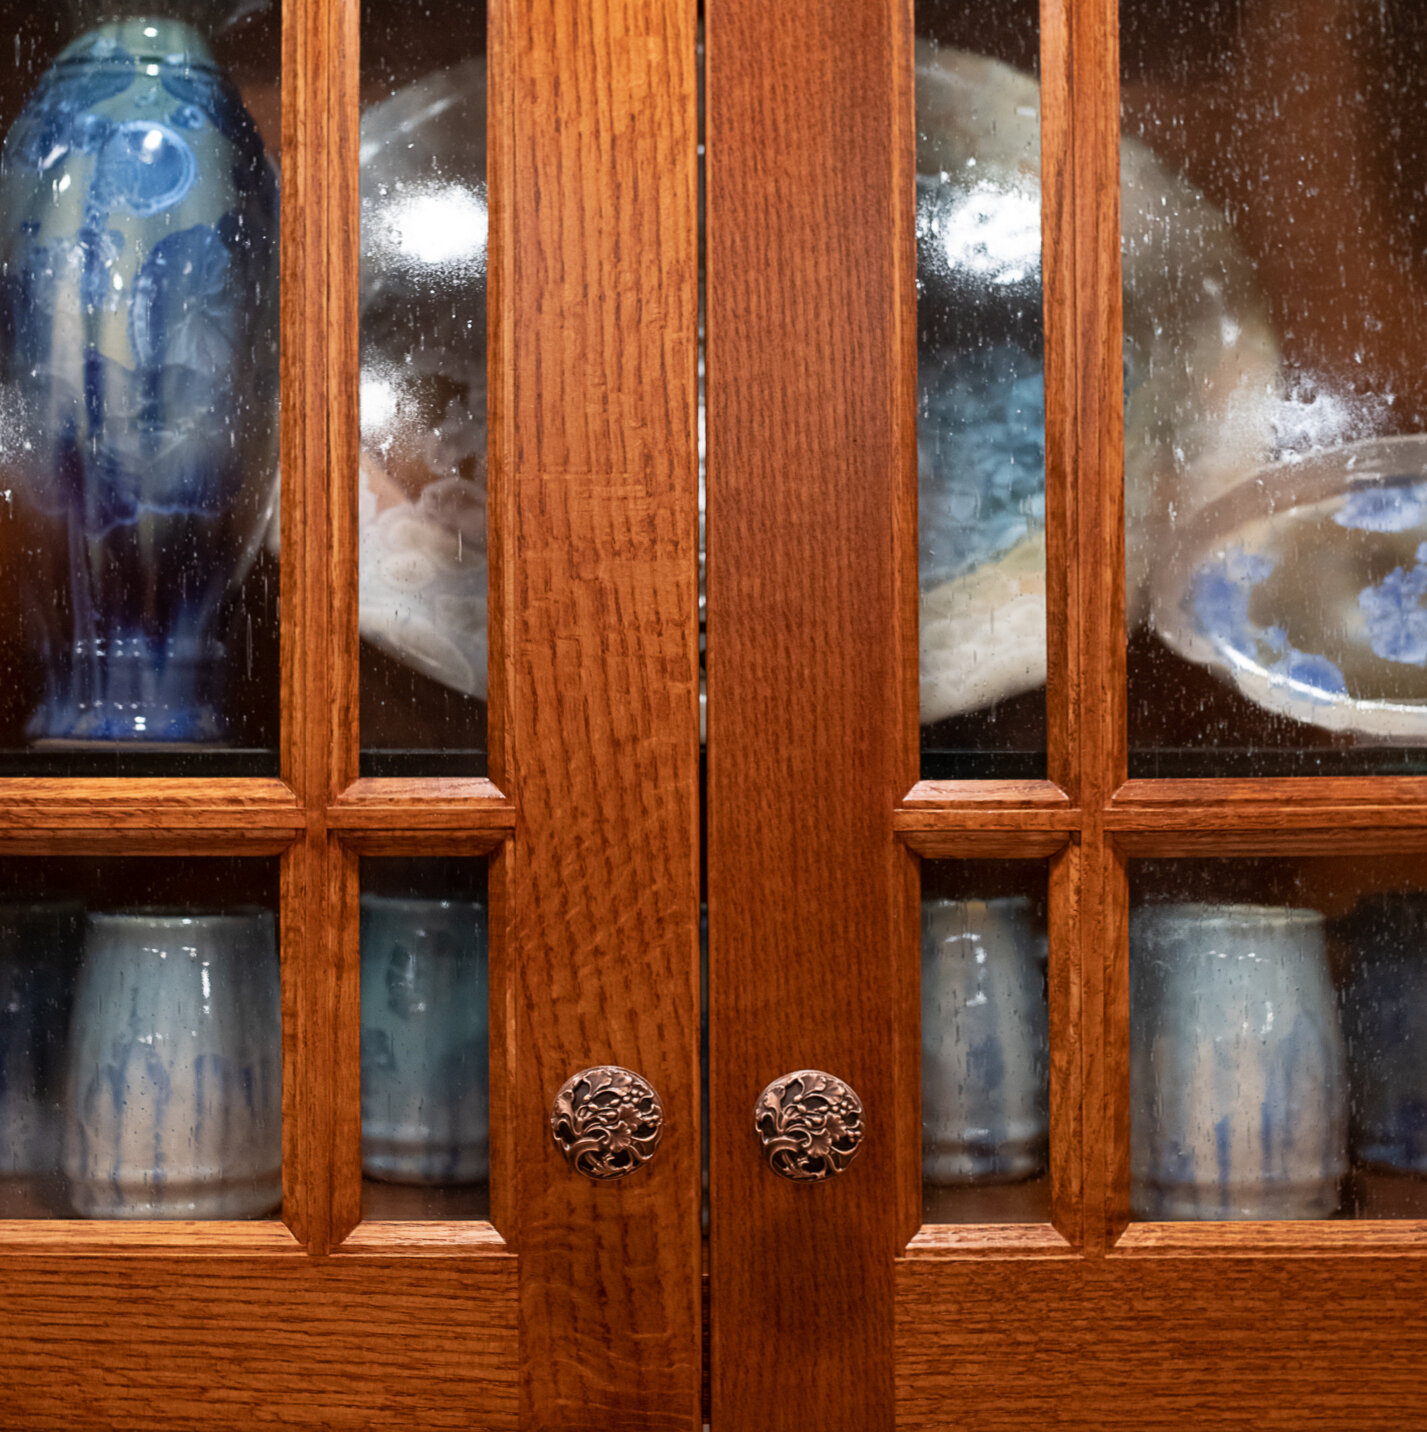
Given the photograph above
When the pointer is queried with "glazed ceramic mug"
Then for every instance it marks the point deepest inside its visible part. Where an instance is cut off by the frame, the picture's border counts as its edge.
(39, 951)
(425, 1041)
(1385, 1024)
(985, 1042)
(175, 1067)
(1238, 1081)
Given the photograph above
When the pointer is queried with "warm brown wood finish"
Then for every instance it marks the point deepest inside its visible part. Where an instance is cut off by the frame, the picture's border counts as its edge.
(1160, 1345)
(208, 1338)
(595, 460)
(811, 718)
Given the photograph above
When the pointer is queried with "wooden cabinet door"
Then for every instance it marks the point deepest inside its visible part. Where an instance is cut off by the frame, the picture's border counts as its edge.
(852, 1302)
(554, 1300)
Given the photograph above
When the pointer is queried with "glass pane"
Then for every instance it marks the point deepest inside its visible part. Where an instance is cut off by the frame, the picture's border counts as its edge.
(1275, 468)
(985, 1042)
(425, 1040)
(423, 389)
(981, 391)
(1278, 1039)
(140, 1039)
(139, 387)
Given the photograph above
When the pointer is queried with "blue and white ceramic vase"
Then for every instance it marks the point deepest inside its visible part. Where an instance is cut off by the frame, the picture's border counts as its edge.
(39, 952)
(985, 1042)
(175, 1067)
(425, 1041)
(1238, 1078)
(138, 376)
(1385, 1023)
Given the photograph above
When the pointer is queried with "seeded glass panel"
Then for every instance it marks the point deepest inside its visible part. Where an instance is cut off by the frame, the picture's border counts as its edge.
(1276, 469)
(985, 1042)
(1278, 1039)
(140, 1039)
(980, 391)
(139, 387)
(422, 481)
(425, 1040)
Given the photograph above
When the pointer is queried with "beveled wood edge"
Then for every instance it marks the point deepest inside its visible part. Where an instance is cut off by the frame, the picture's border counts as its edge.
(424, 804)
(1330, 792)
(160, 804)
(424, 1240)
(959, 795)
(1007, 843)
(1338, 1237)
(987, 1240)
(85, 1238)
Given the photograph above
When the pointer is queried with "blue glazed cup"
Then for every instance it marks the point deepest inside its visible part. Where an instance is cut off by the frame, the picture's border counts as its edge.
(138, 376)
(425, 1041)
(1238, 1079)
(985, 1042)
(39, 952)
(175, 1067)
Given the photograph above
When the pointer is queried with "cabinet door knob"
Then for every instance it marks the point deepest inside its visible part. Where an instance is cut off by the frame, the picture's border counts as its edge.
(810, 1125)
(607, 1121)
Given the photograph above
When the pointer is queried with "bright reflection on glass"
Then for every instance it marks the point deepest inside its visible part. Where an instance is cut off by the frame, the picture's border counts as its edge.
(981, 392)
(422, 480)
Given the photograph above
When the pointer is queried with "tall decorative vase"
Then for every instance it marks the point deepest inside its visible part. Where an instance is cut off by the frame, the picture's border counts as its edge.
(1238, 1079)
(175, 1067)
(39, 951)
(425, 1041)
(138, 375)
(985, 1042)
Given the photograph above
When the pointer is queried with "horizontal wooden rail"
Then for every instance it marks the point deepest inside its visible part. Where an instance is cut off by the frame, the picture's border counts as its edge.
(1341, 1236)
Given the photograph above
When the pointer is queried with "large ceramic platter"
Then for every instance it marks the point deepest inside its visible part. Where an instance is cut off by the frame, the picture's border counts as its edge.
(1201, 374)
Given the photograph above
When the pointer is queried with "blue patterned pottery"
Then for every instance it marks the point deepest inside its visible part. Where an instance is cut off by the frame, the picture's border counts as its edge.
(39, 951)
(985, 1042)
(175, 1067)
(1385, 1023)
(138, 376)
(425, 1041)
(1238, 1084)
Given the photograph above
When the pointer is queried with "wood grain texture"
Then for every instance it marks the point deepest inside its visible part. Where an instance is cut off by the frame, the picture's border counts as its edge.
(1008, 843)
(981, 1240)
(218, 1341)
(1160, 1345)
(596, 474)
(983, 796)
(811, 718)
(1341, 1237)
(1243, 838)
(160, 804)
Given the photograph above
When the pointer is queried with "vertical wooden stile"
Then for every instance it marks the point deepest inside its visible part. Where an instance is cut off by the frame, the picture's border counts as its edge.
(812, 720)
(1099, 467)
(595, 465)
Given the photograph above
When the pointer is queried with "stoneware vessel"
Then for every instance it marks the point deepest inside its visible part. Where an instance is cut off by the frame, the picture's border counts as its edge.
(425, 1041)
(175, 1067)
(138, 376)
(985, 1042)
(1385, 1023)
(1238, 1083)
(39, 953)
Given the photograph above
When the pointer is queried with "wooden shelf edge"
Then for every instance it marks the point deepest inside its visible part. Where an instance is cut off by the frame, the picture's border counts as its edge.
(263, 807)
(1337, 1237)
(988, 1240)
(84, 1239)
(1285, 793)
(377, 804)
(424, 1240)
(982, 843)
(985, 795)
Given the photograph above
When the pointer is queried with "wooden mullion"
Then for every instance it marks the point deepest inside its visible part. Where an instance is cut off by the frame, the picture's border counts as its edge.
(1092, 56)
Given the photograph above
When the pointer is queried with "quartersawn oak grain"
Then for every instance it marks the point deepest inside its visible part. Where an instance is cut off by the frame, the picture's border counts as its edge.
(223, 1341)
(811, 713)
(1160, 1344)
(595, 478)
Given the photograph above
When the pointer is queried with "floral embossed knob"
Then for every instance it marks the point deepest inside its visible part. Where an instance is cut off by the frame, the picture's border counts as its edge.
(607, 1121)
(810, 1125)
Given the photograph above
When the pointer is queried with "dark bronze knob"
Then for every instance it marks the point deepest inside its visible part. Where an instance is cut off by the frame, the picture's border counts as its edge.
(607, 1121)
(810, 1125)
